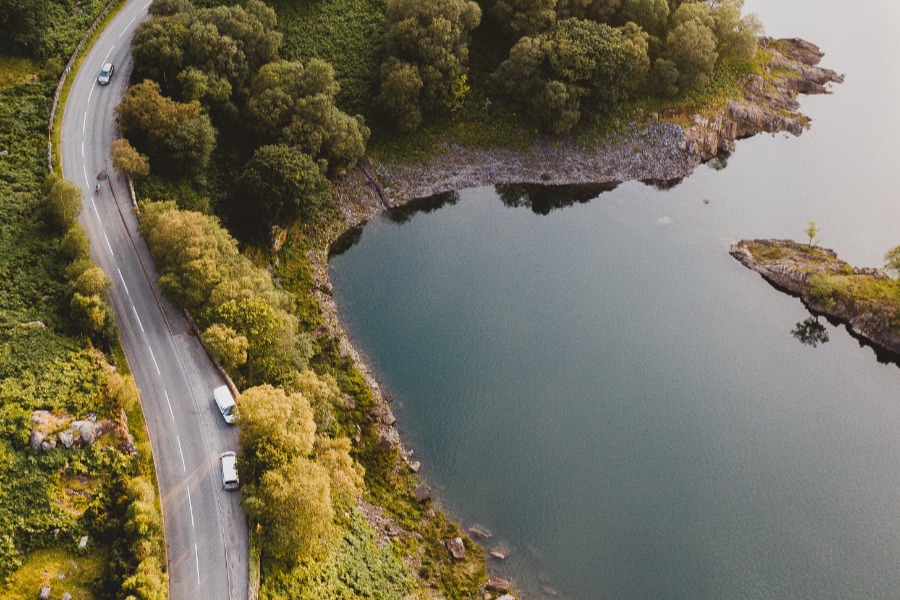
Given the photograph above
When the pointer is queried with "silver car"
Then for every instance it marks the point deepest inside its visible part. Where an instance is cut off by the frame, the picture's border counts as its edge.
(106, 73)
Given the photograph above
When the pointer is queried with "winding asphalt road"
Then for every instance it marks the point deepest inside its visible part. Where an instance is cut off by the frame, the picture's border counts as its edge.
(206, 531)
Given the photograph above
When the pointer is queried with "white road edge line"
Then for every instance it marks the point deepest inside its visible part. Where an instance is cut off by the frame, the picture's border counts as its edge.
(123, 281)
(184, 466)
(108, 245)
(138, 318)
(108, 53)
(197, 558)
(146, 5)
(172, 414)
(91, 93)
(191, 508)
(156, 364)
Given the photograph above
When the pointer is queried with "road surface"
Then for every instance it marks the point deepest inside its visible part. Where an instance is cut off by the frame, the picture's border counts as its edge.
(206, 531)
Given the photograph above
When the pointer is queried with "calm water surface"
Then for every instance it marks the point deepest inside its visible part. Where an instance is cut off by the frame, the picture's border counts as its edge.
(619, 401)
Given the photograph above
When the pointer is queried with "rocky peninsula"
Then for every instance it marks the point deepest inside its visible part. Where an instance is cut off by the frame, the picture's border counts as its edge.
(867, 300)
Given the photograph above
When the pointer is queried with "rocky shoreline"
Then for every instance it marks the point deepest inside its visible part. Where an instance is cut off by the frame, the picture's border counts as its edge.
(791, 266)
(658, 151)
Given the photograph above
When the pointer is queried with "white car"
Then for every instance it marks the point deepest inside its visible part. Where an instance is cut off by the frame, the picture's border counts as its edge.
(225, 402)
(229, 471)
(106, 73)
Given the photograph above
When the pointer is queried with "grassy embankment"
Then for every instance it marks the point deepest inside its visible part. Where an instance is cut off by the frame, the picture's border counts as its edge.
(48, 500)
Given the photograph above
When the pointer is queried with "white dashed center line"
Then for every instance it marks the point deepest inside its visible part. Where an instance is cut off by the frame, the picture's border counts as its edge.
(184, 467)
(138, 319)
(172, 414)
(123, 281)
(156, 364)
(191, 507)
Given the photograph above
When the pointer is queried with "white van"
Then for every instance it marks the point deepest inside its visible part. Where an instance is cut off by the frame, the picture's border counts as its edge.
(229, 471)
(225, 402)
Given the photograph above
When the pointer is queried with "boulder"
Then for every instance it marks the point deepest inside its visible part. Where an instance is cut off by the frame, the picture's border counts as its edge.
(44, 593)
(67, 596)
(67, 438)
(422, 493)
(37, 438)
(385, 444)
(499, 552)
(496, 584)
(86, 430)
(48, 444)
(457, 548)
(414, 466)
(82, 543)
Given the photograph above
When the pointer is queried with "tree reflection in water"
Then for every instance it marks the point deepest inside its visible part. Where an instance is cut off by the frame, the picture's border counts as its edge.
(810, 332)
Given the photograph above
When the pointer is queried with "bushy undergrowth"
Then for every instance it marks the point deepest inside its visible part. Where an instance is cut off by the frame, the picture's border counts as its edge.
(355, 569)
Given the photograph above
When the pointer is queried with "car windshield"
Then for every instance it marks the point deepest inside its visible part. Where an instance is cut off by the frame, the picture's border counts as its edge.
(104, 73)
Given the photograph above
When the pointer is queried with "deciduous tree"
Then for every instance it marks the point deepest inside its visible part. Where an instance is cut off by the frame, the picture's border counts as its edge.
(275, 428)
(292, 504)
(293, 104)
(280, 184)
(127, 160)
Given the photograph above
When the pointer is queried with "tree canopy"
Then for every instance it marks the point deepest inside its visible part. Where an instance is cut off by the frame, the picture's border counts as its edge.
(177, 136)
(576, 63)
(426, 41)
(291, 103)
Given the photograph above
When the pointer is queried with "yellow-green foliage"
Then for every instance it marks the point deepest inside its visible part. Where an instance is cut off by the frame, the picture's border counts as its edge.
(202, 270)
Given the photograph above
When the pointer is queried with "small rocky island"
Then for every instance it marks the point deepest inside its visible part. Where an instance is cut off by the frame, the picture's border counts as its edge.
(867, 300)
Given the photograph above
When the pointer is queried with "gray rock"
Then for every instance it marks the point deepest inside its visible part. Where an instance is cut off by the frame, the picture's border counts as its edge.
(457, 548)
(496, 584)
(500, 552)
(414, 466)
(506, 597)
(422, 493)
(67, 438)
(86, 430)
(480, 532)
(48, 444)
(44, 593)
(387, 417)
(82, 543)
(67, 596)
(385, 444)
(37, 438)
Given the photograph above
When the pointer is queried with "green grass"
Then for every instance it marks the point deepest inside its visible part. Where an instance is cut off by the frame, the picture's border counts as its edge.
(15, 70)
(80, 574)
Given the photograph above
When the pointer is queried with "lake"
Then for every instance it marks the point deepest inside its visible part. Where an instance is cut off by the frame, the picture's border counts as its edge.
(620, 402)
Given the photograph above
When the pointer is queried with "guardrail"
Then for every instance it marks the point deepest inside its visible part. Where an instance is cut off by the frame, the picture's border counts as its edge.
(65, 74)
